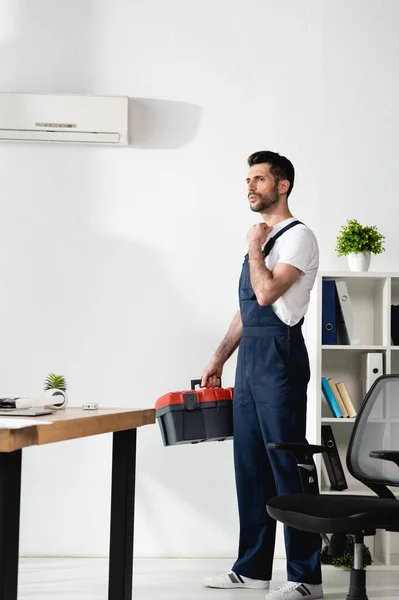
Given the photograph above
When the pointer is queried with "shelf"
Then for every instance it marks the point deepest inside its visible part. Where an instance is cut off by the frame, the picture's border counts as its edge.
(353, 419)
(376, 566)
(338, 420)
(362, 492)
(355, 492)
(358, 347)
(371, 295)
(356, 275)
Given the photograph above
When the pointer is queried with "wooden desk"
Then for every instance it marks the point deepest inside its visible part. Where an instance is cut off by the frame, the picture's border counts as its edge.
(69, 424)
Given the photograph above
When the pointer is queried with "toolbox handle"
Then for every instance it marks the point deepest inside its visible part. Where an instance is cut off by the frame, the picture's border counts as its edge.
(195, 382)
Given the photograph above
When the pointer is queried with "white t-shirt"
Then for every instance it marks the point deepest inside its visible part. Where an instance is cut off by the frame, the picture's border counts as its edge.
(297, 247)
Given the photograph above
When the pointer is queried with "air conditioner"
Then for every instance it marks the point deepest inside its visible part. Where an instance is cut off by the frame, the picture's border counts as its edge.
(59, 118)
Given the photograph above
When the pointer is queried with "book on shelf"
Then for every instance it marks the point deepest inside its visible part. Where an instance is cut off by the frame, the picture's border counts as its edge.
(394, 324)
(330, 398)
(338, 322)
(337, 398)
(347, 313)
(329, 313)
(346, 399)
(332, 460)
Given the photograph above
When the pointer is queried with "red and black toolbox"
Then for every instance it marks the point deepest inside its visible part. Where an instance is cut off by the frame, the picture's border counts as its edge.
(194, 416)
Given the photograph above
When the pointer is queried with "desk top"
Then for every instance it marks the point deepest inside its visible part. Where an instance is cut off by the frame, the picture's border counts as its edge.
(72, 423)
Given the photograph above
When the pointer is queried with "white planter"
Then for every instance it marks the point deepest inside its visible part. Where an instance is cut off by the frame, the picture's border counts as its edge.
(57, 398)
(359, 262)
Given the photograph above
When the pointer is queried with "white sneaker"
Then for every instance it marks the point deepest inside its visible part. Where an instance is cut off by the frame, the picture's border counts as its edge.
(234, 580)
(293, 590)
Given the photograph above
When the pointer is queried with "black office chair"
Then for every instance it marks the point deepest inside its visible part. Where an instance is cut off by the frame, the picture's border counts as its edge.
(373, 449)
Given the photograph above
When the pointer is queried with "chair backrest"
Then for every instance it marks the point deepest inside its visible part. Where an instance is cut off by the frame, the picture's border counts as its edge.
(376, 428)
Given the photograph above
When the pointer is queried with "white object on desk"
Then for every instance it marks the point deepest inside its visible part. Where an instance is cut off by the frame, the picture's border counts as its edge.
(53, 399)
(90, 406)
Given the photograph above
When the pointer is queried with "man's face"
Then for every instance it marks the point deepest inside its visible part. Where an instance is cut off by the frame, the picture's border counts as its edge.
(262, 188)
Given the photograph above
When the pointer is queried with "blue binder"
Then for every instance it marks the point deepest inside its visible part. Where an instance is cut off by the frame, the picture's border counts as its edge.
(330, 398)
(395, 324)
(329, 313)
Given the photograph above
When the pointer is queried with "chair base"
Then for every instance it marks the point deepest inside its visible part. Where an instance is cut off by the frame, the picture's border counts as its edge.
(357, 585)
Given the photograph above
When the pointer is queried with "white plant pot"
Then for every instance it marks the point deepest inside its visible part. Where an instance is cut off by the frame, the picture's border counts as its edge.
(57, 398)
(359, 262)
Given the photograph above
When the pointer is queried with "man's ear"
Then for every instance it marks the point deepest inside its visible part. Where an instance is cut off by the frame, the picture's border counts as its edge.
(283, 186)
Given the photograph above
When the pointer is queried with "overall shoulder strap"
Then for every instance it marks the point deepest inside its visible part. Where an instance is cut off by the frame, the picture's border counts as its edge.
(267, 249)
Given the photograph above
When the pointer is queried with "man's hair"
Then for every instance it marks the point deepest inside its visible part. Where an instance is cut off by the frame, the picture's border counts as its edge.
(280, 166)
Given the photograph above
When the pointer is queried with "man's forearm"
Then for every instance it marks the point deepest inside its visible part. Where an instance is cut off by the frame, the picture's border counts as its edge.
(231, 341)
(260, 276)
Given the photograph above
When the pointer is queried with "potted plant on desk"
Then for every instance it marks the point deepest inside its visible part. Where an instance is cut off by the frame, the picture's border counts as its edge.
(358, 242)
(55, 388)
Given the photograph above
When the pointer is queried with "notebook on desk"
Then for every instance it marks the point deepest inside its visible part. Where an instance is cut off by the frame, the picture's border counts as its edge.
(25, 412)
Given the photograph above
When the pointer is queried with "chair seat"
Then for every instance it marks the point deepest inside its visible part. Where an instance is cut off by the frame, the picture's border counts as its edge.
(334, 513)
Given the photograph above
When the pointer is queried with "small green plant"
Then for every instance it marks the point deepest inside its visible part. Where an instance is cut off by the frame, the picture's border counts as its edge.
(53, 381)
(355, 238)
(345, 561)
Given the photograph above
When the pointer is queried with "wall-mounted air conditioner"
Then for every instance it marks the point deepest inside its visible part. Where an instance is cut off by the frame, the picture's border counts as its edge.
(59, 118)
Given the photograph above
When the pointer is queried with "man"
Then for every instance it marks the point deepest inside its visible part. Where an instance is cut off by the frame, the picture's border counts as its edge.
(271, 382)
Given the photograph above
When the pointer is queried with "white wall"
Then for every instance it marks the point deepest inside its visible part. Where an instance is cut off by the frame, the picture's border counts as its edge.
(119, 266)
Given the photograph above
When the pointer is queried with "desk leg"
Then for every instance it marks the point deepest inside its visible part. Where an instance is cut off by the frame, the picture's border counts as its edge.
(122, 515)
(10, 497)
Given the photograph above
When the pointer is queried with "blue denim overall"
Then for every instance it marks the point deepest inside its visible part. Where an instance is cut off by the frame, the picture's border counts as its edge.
(269, 406)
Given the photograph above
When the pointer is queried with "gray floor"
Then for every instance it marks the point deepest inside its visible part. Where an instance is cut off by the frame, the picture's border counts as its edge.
(164, 579)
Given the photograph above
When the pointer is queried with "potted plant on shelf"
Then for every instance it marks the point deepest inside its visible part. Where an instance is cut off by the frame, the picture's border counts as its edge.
(55, 388)
(358, 242)
(346, 560)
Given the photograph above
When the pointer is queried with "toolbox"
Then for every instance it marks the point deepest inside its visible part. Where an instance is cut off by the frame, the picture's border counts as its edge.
(194, 416)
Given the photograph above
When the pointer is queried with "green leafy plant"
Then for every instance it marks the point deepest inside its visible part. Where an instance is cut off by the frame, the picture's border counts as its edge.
(53, 381)
(345, 561)
(355, 238)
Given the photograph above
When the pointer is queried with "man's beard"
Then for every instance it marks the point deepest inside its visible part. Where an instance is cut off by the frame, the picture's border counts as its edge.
(265, 201)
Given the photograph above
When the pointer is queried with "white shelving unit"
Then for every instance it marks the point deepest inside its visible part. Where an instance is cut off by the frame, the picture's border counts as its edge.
(371, 295)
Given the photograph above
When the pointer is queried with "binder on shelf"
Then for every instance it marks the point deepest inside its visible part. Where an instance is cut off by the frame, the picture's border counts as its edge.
(332, 460)
(346, 399)
(395, 324)
(330, 398)
(329, 312)
(371, 368)
(348, 318)
(337, 397)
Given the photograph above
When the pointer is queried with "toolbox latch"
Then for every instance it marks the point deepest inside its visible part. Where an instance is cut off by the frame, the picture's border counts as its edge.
(191, 401)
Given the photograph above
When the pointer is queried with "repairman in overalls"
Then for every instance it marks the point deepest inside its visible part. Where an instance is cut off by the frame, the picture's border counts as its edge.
(270, 390)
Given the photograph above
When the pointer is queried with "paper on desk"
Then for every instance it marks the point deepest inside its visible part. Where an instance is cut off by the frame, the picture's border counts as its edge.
(17, 423)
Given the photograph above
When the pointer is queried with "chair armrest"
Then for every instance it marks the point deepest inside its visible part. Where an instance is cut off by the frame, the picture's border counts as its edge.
(303, 454)
(300, 451)
(386, 455)
(378, 488)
